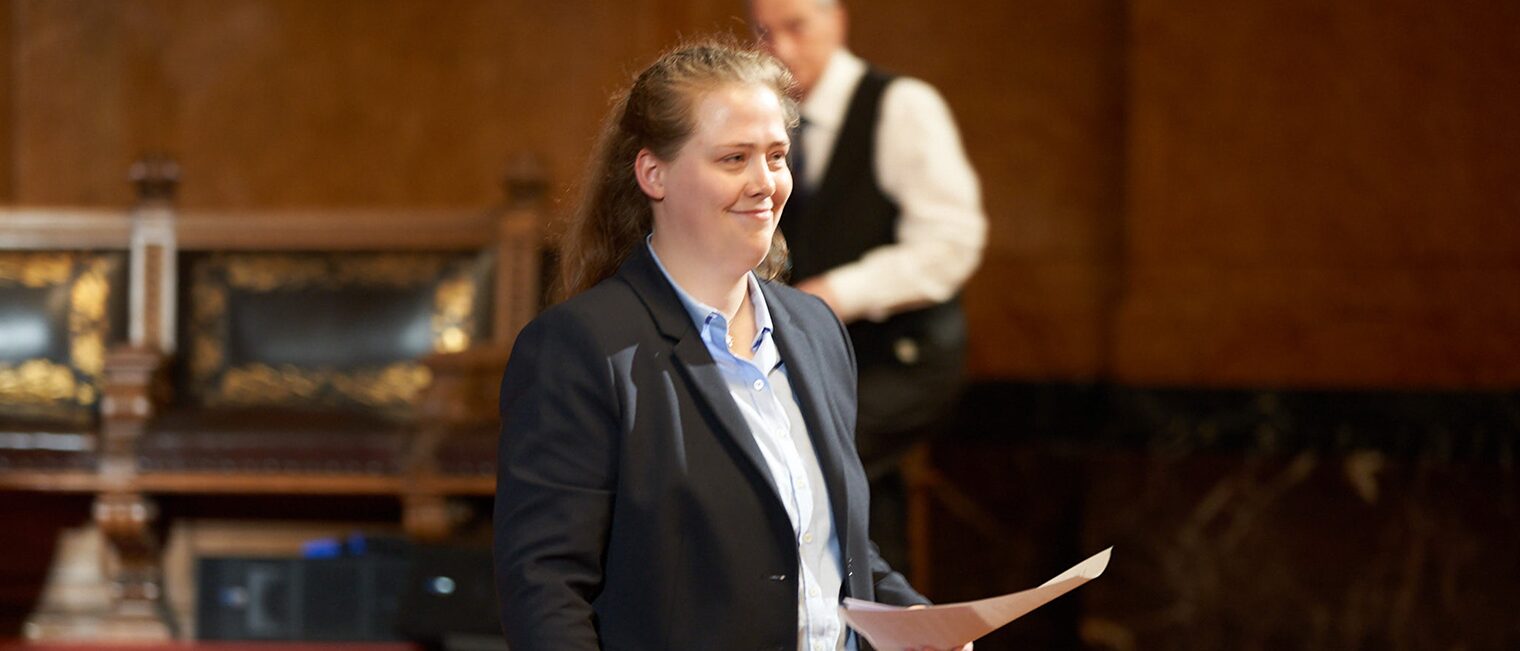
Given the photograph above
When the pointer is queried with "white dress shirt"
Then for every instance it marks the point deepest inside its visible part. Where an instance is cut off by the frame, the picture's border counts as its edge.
(921, 166)
(761, 389)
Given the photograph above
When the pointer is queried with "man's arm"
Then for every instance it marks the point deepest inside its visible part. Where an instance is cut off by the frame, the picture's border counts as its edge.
(940, 234)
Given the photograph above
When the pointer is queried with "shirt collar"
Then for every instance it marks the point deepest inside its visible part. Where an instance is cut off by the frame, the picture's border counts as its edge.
(826, 103)
(702, 314)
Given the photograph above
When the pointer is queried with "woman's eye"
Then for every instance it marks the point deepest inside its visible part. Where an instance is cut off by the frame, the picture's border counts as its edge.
(734, 158)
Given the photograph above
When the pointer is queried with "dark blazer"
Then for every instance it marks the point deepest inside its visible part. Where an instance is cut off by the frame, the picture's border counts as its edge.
(633, 508)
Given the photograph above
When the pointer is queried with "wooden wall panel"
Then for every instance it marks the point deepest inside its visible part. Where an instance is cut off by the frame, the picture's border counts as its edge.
(286, 103)
(7, 96)
(1322, 194)
(1179, 192)
(280, 103)
(1037, 90)
(69, 110)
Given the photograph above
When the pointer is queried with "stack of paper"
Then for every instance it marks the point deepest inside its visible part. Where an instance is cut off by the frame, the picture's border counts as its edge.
(951, 626)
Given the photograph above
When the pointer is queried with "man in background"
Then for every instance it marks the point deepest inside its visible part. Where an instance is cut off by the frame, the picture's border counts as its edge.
(885, 224)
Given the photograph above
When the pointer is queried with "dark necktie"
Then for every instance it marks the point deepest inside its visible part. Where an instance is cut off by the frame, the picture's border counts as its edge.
(798, 165)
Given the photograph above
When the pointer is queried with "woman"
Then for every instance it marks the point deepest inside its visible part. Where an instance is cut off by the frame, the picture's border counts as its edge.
(677, 468)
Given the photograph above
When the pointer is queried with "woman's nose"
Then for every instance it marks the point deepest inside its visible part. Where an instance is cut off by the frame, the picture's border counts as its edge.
(763, 179)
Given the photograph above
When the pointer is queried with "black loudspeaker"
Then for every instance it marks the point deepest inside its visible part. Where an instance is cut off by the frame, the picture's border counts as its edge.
(450, 592)
(327, 599)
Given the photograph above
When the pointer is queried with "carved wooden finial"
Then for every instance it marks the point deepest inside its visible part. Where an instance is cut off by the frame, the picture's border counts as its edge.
(156, 177)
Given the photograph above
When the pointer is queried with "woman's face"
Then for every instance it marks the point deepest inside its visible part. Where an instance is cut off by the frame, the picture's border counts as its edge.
(724, 190)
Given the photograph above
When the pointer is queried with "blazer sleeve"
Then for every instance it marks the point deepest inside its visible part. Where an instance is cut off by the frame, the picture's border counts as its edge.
(889, 585)
(557, 463)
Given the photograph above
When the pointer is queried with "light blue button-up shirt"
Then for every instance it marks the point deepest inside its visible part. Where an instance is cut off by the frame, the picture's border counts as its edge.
(762, 390)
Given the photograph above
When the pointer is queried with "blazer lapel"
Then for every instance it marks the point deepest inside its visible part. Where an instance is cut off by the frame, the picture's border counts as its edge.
(640, 272)
(799, 352)
(713, 390)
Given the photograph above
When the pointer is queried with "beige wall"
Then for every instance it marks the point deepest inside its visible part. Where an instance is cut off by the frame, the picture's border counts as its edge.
(1180, 192)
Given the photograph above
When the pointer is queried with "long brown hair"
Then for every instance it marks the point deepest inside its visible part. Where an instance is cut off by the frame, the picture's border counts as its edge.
(613, 215)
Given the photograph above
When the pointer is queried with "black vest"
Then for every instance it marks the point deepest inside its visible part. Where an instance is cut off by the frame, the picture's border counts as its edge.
(846, 215)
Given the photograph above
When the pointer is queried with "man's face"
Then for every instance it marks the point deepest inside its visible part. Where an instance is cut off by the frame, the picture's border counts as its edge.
(800, 33)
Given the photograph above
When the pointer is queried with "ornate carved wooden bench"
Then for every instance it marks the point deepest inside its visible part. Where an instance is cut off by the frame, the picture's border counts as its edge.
(152, 352)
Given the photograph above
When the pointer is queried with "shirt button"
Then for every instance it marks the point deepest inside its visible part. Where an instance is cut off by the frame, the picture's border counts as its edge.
(807, 537)
(759, 385)
(812, 592)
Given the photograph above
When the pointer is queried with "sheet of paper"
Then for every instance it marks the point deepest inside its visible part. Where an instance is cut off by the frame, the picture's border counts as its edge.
(950, 626)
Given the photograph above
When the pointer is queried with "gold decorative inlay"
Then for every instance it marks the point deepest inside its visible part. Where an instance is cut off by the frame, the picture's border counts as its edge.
(87, 319)
(453, 309)
(37, 381)
(394, 387)
(209, 308)
(393, 270)
(255, 383)
(65, 389)
(391, 385)
(270, 272)
(36, 270)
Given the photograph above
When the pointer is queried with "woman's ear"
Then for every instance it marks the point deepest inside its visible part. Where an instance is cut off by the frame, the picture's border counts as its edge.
(650, 171)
